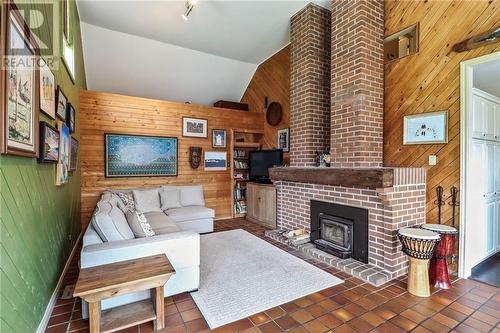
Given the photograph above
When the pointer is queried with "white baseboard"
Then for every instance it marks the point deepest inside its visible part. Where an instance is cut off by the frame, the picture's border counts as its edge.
(48, 311)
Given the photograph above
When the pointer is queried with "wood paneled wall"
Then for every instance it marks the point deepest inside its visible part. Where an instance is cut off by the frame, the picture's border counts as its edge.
(430, 81)
(271, 79)
(109, 113)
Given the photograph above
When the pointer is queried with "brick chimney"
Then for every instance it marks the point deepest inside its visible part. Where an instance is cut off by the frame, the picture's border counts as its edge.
(309, 84)
(357, 83)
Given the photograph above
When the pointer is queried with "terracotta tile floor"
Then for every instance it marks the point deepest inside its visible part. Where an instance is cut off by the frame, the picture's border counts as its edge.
(353, 306)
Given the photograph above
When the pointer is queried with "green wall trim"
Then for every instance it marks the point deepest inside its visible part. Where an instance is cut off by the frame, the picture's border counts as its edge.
(39, 222)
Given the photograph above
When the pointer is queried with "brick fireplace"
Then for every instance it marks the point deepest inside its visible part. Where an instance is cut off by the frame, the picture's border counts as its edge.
(352, 125)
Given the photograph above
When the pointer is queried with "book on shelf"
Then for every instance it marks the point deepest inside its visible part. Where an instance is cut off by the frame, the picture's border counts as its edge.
(240, 164)
(240, 207)
(240, 153)
(240, 194)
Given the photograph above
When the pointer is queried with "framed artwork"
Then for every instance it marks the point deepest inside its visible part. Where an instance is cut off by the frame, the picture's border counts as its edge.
(47, 90)
(62, 171)
(73, 160)
(19, 86)
(426, 128)
(193, 127)
(70, 118)
(284, 139)
(219, 138)
(215, 161)
(49, 144)
(140, 156)
(61, 104)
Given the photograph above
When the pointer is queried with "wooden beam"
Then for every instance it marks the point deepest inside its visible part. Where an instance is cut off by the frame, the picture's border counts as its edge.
(486, 38)
(371, 178)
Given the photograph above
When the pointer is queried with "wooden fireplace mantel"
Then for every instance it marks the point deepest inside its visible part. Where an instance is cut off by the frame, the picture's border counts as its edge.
(370, 178)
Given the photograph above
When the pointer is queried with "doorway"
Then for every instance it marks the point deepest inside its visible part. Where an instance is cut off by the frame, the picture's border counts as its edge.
(480, 167)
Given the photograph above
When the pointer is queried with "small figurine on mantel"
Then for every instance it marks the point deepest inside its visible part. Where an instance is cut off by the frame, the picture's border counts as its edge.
(323, 160)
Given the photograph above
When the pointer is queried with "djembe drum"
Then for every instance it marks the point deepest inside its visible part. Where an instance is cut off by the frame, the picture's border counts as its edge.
(419, 245)
(438, 268)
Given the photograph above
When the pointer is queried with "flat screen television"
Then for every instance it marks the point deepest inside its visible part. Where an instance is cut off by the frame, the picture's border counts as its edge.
(260, 161)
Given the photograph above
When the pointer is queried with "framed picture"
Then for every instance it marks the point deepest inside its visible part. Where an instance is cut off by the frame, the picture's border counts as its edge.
(193, 127)
(284, 139)
(426, 128)
(62, 171)
(219, 138)
(70, 118)
(140, 156)
(19, 86)
(47, 90)
(215, 161)
(61, 104)
(73, 162)
(49, 144)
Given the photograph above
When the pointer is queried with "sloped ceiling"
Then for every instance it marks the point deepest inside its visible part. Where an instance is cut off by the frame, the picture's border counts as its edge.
(145, 48)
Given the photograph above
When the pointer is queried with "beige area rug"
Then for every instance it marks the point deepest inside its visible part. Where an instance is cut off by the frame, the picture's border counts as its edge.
(242, 275)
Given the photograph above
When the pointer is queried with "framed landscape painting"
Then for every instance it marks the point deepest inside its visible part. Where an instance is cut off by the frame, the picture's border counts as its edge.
(194, 127)
(20, 86)
(47, 90)
(49, 144)
(61, 104)
(426, 128)
(73, 159)
(140, 156)
(215, 161)
(62, 172)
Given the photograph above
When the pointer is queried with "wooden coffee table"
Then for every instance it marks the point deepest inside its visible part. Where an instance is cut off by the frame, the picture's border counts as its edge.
(100, 282)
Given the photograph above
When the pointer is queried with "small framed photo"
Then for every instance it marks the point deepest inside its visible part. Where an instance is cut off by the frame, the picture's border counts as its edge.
(194, 127)
(47, 90)
(426, 128)
(49, 144)
(73, 159)
(70, 118)
(61, 104)
(215, 161)
(219, 138)
(284, 139)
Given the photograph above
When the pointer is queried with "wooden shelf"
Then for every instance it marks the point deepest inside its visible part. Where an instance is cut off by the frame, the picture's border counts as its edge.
(240, 214)
(254, 145)
(246, 169)
(127, 315)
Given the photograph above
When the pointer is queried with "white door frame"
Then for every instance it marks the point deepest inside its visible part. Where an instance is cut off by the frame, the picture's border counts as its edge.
(466, 71)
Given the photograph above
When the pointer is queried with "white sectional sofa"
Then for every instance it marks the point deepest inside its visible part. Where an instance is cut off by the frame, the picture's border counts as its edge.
(110, 239)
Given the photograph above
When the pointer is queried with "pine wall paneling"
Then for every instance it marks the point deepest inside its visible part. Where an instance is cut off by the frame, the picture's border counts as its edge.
(271, 79)
(111, 113)
(430, 81)
(39, 222)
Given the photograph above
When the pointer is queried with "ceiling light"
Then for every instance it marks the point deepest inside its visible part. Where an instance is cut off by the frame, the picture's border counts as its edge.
(189, 7)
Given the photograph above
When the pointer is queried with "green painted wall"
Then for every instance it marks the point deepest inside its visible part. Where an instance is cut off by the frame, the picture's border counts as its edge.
(39, 222)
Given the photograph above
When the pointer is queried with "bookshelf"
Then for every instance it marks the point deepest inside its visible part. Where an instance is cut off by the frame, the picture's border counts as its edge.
(242, 142)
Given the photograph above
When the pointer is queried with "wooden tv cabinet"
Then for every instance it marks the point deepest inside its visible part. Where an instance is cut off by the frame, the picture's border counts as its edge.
(261, 202)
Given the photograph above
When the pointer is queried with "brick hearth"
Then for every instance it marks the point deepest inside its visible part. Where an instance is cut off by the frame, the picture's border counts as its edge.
(389, 209)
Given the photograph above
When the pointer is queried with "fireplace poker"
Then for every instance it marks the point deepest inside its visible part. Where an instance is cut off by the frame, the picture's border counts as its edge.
(454, 203)
(439, 201)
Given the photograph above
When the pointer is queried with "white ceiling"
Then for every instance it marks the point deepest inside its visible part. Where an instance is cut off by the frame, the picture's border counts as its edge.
(487, 77)
(145, 48)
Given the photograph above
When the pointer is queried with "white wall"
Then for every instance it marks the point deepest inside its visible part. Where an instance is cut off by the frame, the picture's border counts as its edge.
(126, 64)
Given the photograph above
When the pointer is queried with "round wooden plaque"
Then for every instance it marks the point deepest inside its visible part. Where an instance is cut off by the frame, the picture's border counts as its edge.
(274, 114)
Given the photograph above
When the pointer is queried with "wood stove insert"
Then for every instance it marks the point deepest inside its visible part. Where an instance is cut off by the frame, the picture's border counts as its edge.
(340, 230)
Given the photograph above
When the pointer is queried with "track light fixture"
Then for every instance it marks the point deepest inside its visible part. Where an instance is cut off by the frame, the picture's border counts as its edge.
(189, 7)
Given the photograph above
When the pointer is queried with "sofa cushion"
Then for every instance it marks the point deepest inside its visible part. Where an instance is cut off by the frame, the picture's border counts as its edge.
(139, 224)
(109, 221)
(190, 213)
(147, 200)
(170, 198)
(161, 223)
(127, 201)
(192, 196)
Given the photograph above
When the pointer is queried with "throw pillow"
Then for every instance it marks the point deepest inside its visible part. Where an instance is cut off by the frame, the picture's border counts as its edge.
(169, 199)
(128, 201)
(147, 200)
(139, 224)
(192, 196)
